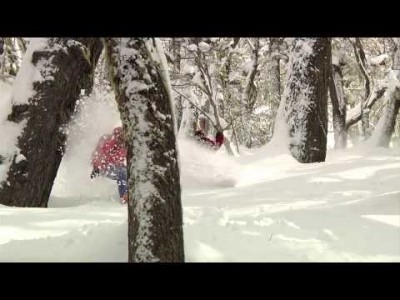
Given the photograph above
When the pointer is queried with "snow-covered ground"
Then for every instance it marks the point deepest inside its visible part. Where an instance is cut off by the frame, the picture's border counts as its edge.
(260, 206)
(347, 209)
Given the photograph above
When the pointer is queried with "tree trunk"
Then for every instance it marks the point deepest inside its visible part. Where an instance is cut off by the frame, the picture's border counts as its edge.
(306, 98)
(249, 95)
(176, 51)
(235, 137)
(227, 142)
(95, 49)
(205, 122)
(189, 121)
(361, 60)
(224, 73)
(65, 67)
(354, 115)
(11, 57)
(22, 44)
(140, 77)
(1, 55)
(273, 95)
(339, 107)
(384, 129)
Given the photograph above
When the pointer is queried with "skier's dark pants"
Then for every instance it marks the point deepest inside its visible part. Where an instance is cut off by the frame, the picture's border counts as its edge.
(118, 173)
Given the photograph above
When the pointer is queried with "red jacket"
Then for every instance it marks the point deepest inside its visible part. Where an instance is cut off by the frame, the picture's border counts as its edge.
(219, 139)
(110, 151)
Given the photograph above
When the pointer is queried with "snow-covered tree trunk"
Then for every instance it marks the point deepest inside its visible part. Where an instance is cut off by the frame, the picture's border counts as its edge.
(305, 98)
(188, 122)
(141, 82)
(95, 49)
(11, 57)
(205, 123)
(50, 80)
(274, 78)
(176, 51)
(250, 90)
(21, 44)
(354, 114)
(224, 74)
(362, 63)
(384, 129)
(338, 101)
(1, 55)
(383, 132)
(203, 68)
(234, 135)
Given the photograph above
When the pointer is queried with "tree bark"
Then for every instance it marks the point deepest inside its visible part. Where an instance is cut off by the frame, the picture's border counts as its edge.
(202, 66)
(250, 92)
(189, 122)
(339, 107)
(384, 130)
(361, 60)
(66, 67)
(1, 55)
(385, 127)
(176, 51)
(11, 57)
(226, 89)
(204, 122)
(273, 94)
(354, 115)
(306, 98)
(21, 44)
(144, 100)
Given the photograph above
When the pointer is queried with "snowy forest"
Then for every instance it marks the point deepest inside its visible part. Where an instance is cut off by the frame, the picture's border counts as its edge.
(237, 149)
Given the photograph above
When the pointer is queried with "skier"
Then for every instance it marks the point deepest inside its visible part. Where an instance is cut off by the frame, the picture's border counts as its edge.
(109, 160)
(215, 145)
(204, 140)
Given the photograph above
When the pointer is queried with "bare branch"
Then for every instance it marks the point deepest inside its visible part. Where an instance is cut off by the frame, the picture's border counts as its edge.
(195, 106)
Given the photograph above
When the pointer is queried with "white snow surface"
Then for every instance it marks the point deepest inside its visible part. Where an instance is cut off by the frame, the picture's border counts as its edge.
(261, 206)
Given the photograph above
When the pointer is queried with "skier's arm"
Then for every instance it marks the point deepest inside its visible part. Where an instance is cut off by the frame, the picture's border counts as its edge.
(97, 157)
